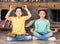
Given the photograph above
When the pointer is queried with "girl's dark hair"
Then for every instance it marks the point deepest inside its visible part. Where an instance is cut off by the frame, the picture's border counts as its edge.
(42, 10)
(18, 8)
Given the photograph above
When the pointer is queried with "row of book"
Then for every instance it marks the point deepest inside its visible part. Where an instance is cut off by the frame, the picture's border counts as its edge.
(29, 0)
(23, 0)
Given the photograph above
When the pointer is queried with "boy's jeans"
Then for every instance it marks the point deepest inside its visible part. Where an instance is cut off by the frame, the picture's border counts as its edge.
(18, 38)
(42, 36)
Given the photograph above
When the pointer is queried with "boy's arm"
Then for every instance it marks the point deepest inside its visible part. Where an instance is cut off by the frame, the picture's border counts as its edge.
(7, 15)
(28, 12)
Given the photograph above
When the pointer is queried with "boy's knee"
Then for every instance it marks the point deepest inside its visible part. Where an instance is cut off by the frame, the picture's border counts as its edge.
(9, 39)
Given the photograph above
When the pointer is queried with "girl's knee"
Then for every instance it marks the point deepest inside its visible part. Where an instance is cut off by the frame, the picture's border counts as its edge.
(29, 37)
(51, 33)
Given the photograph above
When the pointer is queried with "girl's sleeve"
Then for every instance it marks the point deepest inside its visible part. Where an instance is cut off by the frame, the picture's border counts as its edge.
(48, 26)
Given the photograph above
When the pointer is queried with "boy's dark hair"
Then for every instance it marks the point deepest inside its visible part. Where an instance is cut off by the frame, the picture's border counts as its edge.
(18, 8)
(42, 10)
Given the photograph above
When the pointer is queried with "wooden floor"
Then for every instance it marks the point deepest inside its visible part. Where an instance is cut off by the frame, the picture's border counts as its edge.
(3, 36)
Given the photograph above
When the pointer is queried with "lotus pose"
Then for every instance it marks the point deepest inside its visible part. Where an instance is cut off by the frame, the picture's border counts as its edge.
(42, 28)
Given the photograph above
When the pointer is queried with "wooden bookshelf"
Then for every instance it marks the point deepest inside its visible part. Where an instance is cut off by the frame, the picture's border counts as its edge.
(34, 5)
(53, 5)
(5, 5)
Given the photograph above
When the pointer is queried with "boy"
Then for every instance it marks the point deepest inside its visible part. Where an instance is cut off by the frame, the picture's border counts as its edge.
(18, 22)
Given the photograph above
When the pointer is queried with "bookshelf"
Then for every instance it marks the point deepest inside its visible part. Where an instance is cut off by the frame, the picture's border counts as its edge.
(5, 5)
(49, 5)
(32, 6)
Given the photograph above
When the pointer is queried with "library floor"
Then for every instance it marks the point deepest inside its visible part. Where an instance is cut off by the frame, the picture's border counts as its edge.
(3, 36)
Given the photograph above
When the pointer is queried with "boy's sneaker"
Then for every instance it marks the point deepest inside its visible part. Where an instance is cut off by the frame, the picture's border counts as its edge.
(52, 39)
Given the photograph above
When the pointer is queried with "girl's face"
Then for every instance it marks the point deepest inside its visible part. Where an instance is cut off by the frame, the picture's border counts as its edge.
(42, 14)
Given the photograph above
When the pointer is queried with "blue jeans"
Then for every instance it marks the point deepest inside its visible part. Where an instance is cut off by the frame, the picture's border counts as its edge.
(19, 38)
(42, 36)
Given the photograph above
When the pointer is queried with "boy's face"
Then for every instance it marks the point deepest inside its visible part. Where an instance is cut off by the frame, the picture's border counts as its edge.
(18, 12)
(42, 14)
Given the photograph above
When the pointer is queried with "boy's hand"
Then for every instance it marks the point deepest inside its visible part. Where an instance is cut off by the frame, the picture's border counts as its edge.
(25, 7)
(26, 34)
(11, 7)
(11, 34)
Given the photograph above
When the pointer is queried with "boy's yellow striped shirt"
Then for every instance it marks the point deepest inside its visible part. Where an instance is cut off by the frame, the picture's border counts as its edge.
(18, 24)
